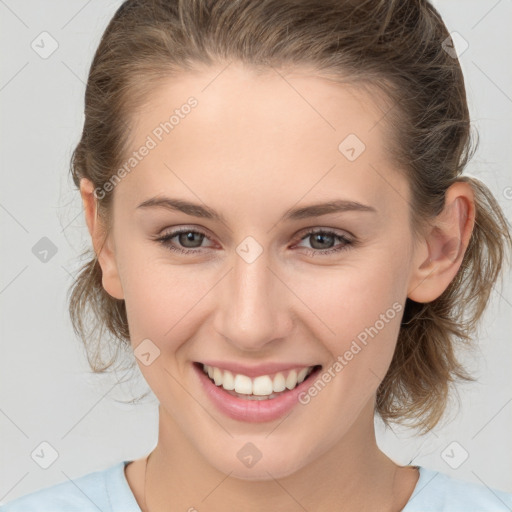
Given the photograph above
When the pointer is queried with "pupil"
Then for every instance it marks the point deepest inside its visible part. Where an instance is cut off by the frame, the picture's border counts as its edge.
(320, 237)
(189, 237)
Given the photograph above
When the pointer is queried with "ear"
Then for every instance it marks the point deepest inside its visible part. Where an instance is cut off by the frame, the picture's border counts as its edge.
(102, 243)
(438, 257)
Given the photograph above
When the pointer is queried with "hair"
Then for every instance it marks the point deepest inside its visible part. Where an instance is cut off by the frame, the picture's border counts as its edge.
(394, 46)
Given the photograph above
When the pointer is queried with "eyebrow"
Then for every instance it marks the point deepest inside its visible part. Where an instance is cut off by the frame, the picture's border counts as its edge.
(304, 212)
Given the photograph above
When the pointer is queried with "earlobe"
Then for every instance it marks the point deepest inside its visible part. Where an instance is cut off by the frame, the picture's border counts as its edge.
(102, 244)
(439, 257)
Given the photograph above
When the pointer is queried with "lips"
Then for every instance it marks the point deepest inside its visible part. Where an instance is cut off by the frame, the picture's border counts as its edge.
(245, 407)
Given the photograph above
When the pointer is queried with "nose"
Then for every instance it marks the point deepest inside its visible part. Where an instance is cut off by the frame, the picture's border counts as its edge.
(252, 308)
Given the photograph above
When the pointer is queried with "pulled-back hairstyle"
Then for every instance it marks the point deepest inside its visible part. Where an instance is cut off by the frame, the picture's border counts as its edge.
(397, 46)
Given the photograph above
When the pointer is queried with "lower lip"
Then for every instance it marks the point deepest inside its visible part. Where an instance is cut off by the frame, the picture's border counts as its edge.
(253, 411)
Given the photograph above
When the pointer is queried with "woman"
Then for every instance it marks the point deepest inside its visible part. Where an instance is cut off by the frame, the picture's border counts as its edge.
(283, 236)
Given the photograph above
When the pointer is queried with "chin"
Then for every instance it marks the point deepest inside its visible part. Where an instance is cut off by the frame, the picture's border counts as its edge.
(275, 466)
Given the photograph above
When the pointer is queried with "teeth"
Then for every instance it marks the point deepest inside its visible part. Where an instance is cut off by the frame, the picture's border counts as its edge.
(217, 376)
(279, 383)
(243, 384)
(291, 380)
(228, 381)
(260, 386)
(302, 374)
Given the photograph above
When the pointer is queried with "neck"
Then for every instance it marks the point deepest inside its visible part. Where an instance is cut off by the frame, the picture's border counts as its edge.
(354, 473)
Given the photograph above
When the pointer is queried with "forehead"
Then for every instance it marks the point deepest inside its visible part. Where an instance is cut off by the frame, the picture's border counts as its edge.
(266, 101)
(264, 134)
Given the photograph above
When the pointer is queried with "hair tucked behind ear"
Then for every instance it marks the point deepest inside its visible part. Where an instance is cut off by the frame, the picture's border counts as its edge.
(393, 46)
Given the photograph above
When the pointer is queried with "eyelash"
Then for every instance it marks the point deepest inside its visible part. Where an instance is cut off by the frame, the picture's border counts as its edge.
(164, 240)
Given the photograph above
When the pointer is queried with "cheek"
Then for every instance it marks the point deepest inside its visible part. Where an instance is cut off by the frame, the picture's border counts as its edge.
(348, 298)
(163, 301)
(163, 305)
(358, 309)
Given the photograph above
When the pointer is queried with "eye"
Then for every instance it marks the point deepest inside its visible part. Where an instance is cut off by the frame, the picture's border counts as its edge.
(322, 238)
(188, 237)
(191, 240)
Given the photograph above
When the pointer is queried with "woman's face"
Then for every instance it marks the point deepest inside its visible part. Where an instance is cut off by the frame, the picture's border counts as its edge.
(258, 288)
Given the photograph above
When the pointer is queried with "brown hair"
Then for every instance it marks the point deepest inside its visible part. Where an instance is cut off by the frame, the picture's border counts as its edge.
(397, 46)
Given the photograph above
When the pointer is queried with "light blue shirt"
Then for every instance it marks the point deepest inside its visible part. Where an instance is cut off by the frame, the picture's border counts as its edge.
(108, 491)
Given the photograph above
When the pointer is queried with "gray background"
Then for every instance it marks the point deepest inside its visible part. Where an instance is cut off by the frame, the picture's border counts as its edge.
(47, 392)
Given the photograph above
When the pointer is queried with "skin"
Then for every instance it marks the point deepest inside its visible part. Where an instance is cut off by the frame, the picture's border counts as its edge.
(255, 146)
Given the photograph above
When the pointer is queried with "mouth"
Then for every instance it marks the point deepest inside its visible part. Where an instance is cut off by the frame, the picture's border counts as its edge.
(262, 398)
(262, 387)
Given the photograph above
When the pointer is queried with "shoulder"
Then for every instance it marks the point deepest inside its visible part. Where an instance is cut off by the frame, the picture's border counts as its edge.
(436, 492)
(105, 490)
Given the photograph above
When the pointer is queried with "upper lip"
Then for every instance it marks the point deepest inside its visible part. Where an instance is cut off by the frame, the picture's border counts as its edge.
(256, 370)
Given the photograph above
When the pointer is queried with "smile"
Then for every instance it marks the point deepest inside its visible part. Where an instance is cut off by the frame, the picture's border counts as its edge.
(258, 399)
(260, 388)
